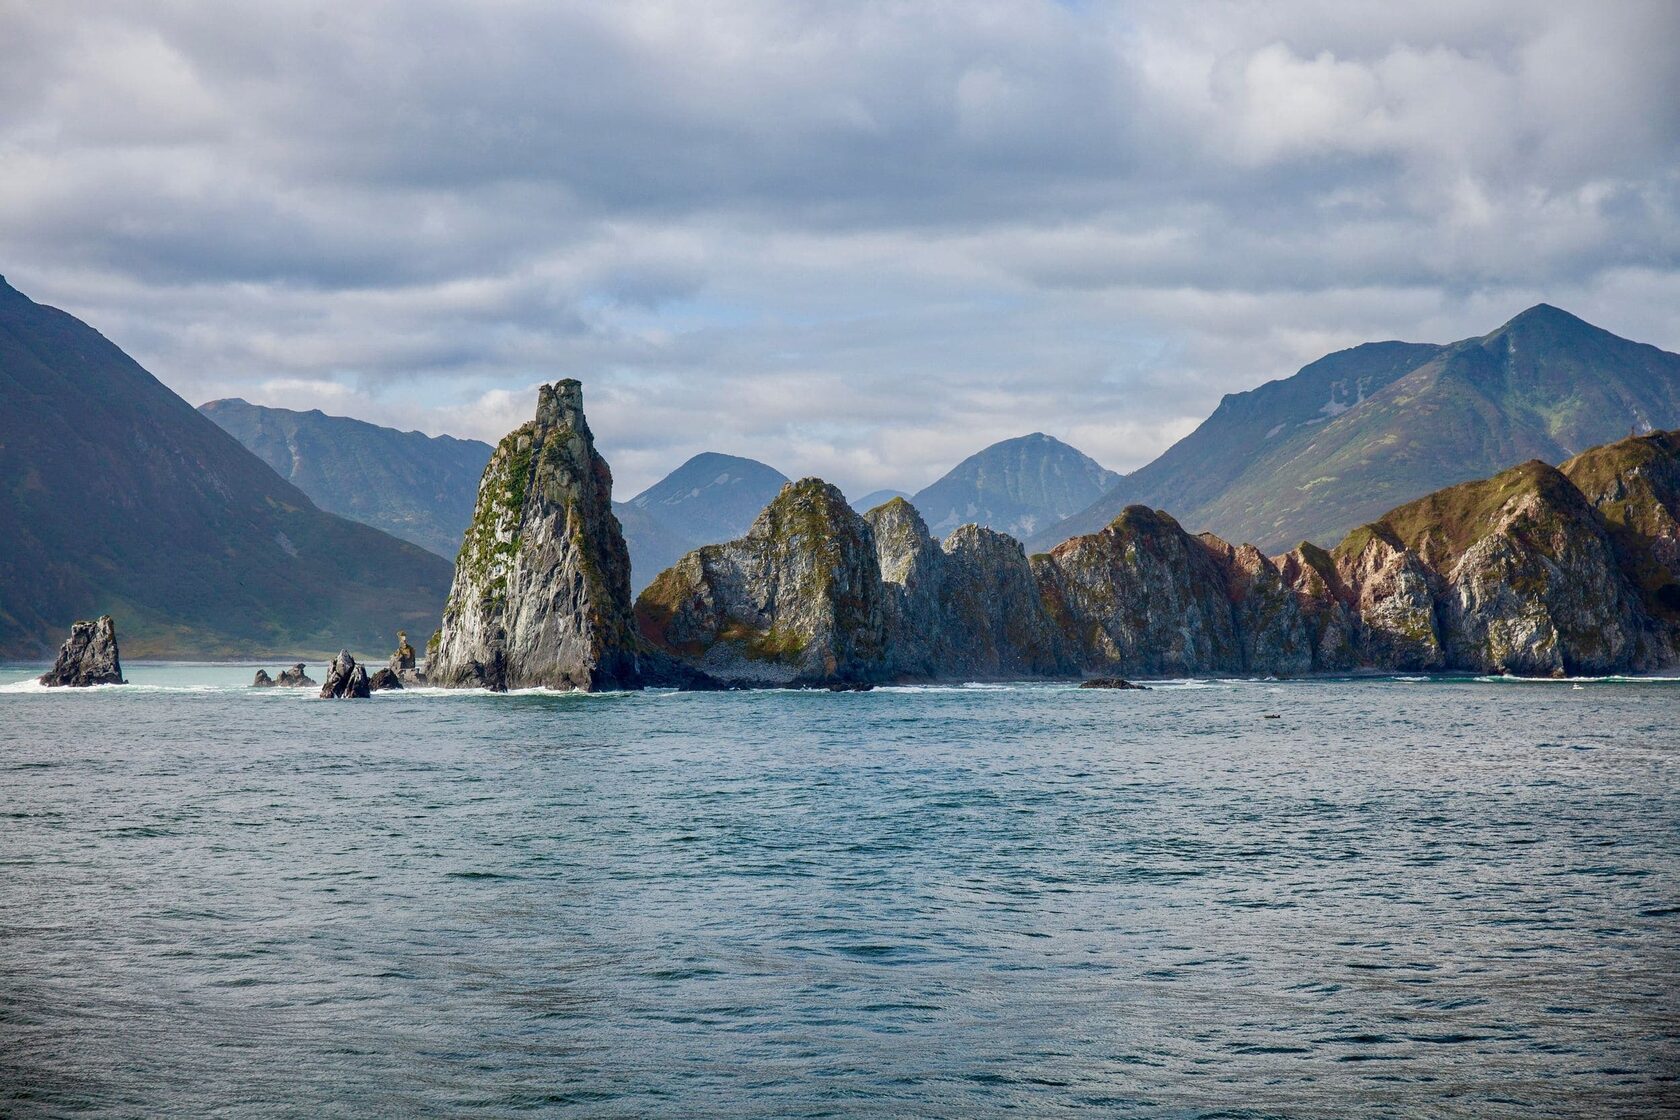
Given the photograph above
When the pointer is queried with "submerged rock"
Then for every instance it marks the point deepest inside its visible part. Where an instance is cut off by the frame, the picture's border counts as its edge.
(541, 595)
(88, 657)
(1119, 683)
(346, 680)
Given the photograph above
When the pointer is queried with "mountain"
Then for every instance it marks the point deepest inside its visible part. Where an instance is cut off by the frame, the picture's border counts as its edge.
(120, 498)
(1017, 486)
(1353, 434)
(710, 498)
(877, 498)
(414, 486)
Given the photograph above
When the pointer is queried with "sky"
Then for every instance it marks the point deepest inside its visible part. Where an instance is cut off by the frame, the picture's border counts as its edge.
(856, 240)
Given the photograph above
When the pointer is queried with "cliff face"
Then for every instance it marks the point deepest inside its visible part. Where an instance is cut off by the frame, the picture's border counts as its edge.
(541, 595)
(966, 607)
(1141, 597)
(1534, 571)
(1514, 573)
(798, 600)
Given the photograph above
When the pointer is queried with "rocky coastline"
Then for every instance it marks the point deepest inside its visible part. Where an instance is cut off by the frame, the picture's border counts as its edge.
(1536, 571)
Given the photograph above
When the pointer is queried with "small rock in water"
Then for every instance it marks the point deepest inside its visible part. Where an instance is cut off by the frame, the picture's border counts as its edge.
(849, 686)
(88, 658)
(346, 680)
(263, 680)
(1112, 682)
(384, 680)
(294, 677)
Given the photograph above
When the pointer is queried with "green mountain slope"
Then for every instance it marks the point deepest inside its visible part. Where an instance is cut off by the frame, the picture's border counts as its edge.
(416, 487)
(1016, 486)
(1543, 386)
(118, 497)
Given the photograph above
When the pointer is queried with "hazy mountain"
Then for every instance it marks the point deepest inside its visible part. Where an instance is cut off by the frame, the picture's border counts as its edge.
(1361, 431)
(414, 486)
(1018, 486)
(877, 498)
(710, 498)
(121, 498)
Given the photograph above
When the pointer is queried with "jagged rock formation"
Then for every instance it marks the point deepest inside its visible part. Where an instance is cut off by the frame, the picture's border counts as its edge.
(88, 657)
(346, 680)
(1143, 596)
(402, 667)
(1535, 571)
(384, 680)
(541, 596)
(965, 607)
(294, 677)
(798, 601)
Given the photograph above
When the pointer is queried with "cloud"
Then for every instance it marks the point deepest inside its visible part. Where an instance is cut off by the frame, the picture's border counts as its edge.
(855, 240)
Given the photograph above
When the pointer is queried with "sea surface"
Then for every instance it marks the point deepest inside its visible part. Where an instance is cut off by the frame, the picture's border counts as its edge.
(1350, 898)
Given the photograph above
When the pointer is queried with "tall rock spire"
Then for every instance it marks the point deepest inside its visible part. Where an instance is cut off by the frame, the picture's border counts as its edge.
(541, 595)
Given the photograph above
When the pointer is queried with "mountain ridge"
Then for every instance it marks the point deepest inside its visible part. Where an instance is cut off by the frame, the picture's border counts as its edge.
(123, 499)
(1544, 385)
(417, 487)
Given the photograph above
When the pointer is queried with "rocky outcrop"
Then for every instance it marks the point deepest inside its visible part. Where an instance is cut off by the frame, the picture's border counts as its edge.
(1534, 571)
(402, 665)
(798, 601)
(346, 680)
(1516, 573)
(1118, 684)
(294, 677)
(384, 680)
(89, 657)
(1142, 597)
(541, 595)
(967, 607)
(1325, 606)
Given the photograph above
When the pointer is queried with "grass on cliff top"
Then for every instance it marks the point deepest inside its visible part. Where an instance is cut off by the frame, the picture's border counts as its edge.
(1454, 519)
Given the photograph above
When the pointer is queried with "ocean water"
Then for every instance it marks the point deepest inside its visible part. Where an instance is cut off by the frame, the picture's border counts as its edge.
(1395, 898)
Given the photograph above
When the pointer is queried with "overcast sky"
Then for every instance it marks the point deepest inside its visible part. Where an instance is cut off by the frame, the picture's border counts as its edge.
(849, 239)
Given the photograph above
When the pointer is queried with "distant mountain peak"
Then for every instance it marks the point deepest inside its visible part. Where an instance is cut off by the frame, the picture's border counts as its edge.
(1016, 486)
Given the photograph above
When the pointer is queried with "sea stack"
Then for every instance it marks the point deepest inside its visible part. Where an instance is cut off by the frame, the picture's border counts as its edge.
(541, 596)
(346, 680)
(88, 658)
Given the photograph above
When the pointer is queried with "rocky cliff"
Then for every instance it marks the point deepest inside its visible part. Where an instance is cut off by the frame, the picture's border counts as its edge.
(541, 595)
(799, 600)
(88, 657)
(966, 607)
(1535, 571)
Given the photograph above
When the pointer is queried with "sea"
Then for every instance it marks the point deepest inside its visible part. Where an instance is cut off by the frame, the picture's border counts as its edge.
(1381, 897)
